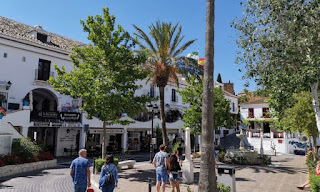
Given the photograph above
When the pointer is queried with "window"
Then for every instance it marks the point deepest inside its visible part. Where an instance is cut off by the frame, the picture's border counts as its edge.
(233, 107)
(5, 55)
(23, 59)
(265, 112)
(43, 70)
(251, 113)
(42, 37)
(152, 92)
(173, 95)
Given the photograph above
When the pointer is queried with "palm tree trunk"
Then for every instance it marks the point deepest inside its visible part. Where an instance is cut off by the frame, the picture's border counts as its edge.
(207, 180)
(104, 140)
(163, 117)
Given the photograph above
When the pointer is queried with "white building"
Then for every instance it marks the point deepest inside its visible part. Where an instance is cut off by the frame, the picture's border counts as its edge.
(260, 133)
(36, 110)
(228, 92)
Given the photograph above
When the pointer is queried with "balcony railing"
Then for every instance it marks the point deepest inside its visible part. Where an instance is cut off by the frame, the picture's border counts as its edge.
(36, 77)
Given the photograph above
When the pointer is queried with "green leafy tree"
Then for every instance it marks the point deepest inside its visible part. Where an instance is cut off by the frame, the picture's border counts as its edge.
(163, 48)
(279, 44)
(207, 178)
(193, 115)
(104, 73)
(300, 117)
(219, 79)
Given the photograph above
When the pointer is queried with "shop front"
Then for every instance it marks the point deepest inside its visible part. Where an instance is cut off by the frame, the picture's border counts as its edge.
(114, 140)
(59, 132)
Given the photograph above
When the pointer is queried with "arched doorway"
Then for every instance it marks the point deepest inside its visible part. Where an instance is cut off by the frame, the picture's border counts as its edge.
(44, 116)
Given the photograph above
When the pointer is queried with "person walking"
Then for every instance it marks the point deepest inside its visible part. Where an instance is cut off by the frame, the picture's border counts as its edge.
(160, 163)
(80, 172)
(109, 175)
(180, 150)
(174, 167)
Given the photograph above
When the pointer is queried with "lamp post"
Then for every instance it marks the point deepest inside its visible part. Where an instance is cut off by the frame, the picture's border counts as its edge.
(152, 110)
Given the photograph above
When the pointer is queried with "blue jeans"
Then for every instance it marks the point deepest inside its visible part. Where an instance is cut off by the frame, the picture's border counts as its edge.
(80, 187)
(162, 175)
(108, 188)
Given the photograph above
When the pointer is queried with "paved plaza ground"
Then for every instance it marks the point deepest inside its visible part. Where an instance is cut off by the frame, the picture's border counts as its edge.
(286, 172)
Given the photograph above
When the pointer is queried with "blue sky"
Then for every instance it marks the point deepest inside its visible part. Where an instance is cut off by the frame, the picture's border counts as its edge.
(63, 17)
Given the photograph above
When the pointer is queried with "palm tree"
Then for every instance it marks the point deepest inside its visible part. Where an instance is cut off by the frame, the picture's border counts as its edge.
(164, 60)
(207, 180)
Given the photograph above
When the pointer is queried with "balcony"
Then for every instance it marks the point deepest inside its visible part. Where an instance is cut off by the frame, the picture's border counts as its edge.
(41, 77)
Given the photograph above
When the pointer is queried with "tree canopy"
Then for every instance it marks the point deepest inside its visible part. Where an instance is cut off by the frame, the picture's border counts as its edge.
(279, 45)
(300, 117)
(193, 115)
(219, 79)
(104, 72)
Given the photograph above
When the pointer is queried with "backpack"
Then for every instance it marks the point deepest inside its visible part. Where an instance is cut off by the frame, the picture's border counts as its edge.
(110, 177)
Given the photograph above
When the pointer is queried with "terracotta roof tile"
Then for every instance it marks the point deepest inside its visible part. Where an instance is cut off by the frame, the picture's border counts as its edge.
(23, 32)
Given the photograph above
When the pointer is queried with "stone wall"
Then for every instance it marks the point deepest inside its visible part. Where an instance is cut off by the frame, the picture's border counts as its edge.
(9, 170)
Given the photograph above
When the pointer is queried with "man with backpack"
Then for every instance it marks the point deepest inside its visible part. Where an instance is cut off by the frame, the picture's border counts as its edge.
(109, 175)
(160, 163)
(80, 172)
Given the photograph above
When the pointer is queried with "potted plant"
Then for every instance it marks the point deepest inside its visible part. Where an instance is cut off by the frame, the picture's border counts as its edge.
(2, 113)
(25, 100)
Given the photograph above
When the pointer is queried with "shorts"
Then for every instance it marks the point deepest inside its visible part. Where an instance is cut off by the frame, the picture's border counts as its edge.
(180, 157)
(174, 177)
(162, 175)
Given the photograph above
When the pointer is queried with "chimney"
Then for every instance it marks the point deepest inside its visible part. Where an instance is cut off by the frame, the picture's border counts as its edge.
(229, 87)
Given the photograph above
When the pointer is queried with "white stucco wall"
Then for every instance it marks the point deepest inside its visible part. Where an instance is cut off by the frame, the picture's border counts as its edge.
(244, 110)
(5, 144)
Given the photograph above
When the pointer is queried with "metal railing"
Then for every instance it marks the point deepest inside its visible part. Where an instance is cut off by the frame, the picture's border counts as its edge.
(36, 76)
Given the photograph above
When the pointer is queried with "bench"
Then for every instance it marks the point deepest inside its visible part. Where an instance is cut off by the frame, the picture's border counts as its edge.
(129, 163)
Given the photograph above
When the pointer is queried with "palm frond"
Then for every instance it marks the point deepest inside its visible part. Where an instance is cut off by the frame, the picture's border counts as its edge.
(142, 35)
(182, 48)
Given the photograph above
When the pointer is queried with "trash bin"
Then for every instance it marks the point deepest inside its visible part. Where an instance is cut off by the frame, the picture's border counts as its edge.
(227, 176)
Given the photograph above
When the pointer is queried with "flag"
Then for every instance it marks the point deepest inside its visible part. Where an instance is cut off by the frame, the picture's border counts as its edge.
(194, 55)
(201, 61)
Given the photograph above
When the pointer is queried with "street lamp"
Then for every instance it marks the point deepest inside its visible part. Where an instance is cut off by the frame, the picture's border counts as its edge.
(152, 109)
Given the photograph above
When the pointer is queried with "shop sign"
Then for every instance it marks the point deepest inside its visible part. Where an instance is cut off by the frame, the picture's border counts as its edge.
(42, 124)
(112, 131)
(70, 116)
(56, 124)
(44, 115)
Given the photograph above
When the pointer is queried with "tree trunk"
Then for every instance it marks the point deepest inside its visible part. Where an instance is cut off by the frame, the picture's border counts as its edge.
(315, 149)
(315, 103)
(165, 138)
(104, 141)
(207, 180)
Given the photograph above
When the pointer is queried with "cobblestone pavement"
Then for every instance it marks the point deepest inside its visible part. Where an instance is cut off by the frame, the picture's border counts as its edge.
(47, 180)
(285, 173)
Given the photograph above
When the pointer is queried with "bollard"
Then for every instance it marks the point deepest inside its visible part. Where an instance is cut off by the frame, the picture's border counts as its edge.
(94, 166)
(226, 175)
(149, 182)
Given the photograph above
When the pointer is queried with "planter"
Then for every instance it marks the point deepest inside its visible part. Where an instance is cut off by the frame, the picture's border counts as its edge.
(9, 170)
(25, 103)
(1, 116)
